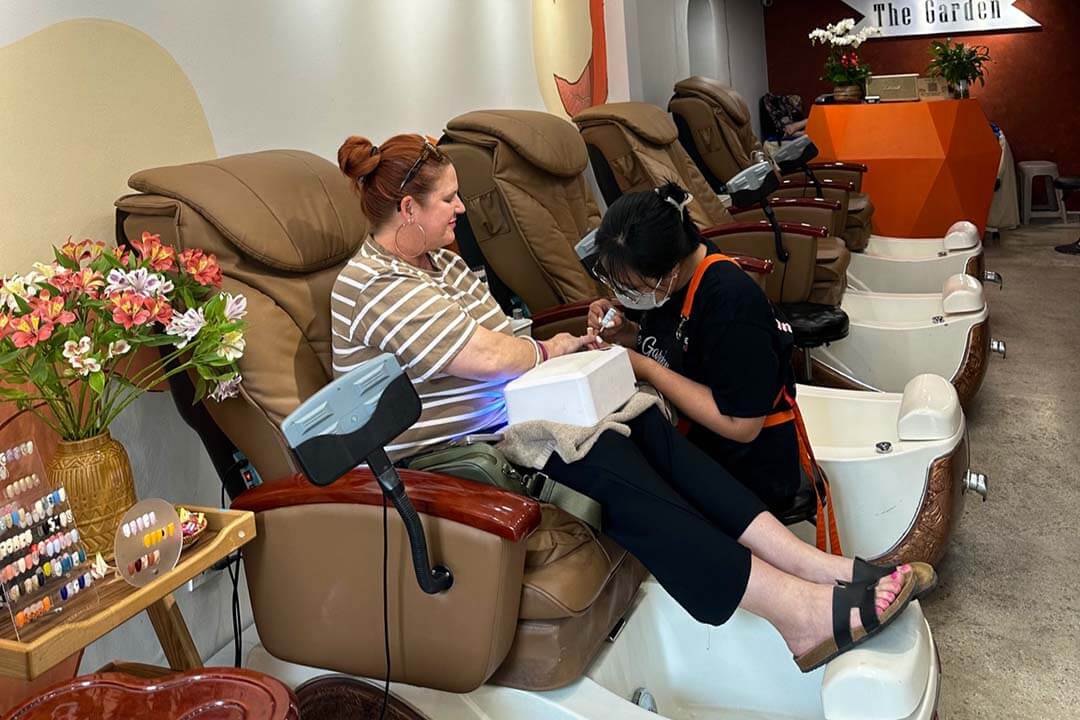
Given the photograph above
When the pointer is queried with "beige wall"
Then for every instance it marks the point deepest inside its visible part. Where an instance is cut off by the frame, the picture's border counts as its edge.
(86, 104)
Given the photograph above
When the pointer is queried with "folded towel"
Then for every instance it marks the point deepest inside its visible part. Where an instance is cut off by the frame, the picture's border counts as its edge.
(530, 444)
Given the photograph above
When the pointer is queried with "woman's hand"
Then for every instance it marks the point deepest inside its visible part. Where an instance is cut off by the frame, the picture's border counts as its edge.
(621, 331)
(565, 344)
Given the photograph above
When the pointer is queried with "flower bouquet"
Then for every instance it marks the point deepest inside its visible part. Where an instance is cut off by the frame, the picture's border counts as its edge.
(69, 334)
(843, 67)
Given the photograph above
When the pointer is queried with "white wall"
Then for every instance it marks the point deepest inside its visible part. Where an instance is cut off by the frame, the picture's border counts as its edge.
(307, 73)
(668, 40)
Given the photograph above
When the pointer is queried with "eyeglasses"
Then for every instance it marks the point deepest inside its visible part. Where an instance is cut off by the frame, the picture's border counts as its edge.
(635, 296)
(429, 150)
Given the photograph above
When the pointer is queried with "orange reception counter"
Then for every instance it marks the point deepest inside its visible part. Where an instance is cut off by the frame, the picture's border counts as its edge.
(930, 163)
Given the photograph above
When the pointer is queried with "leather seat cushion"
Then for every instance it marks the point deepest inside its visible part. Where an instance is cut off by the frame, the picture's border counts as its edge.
(857, 202)
(549, 654)
(814, 324)
(567, 566)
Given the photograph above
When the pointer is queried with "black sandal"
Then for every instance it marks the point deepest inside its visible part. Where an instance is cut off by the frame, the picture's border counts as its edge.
(926, 578)
(863, 597)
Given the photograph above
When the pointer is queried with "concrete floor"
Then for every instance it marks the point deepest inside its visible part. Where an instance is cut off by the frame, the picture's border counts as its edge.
(1005, 615)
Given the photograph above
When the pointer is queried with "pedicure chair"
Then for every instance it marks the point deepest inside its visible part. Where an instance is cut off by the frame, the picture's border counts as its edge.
(715, 129)
(892, 337)
(545, 619)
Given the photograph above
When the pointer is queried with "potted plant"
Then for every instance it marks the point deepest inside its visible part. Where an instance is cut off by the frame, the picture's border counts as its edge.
(959, 64)
(69, 335)
(843, 68)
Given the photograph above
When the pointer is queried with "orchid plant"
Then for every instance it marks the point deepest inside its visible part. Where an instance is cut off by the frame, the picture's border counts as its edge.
(70, 329)
(843, 65)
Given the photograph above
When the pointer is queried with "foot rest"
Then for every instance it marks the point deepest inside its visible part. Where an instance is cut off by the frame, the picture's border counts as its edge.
(961, 236)
(885, 678)
(814, 324)
(929, 410)
(961, 294)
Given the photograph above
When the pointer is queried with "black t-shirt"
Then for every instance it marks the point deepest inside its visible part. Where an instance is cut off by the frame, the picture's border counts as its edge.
(737, 346)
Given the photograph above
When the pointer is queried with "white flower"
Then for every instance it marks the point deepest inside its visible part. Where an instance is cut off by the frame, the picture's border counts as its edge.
(16, 286)
(118, 348)
(186, 326)
(90, 365)
(227, 388)
(74, 349)
(235, 306)
(46, 271)
(139, 280)
(232, 345)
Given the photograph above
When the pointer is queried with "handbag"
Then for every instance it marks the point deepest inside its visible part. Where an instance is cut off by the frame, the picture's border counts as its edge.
(482, 462)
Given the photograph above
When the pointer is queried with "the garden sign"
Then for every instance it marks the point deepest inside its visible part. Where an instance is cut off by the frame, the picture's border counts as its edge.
(898, 18)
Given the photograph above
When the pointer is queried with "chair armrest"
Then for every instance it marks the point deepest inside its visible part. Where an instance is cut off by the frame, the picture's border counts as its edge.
(801, 182)
(808, 202)
(838, 165)
(753, 265)
(505, 514)
(764, 227)
(560, 313)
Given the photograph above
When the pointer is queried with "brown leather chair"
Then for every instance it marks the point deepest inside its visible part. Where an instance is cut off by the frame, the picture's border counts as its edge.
(535, 592)
(634, 146)
(714, 126)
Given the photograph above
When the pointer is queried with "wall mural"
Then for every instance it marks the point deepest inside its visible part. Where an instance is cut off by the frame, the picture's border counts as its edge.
(570, 52)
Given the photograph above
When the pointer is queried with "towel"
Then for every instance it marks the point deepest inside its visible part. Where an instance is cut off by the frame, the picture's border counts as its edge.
(530, 444)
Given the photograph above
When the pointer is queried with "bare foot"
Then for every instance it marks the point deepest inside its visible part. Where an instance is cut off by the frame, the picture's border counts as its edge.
(816, 624)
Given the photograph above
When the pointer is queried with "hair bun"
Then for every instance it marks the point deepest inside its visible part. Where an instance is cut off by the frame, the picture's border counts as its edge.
(358, 157)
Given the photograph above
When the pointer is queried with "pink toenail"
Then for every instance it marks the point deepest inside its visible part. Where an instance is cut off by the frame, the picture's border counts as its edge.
(905, 568)
(895, 575)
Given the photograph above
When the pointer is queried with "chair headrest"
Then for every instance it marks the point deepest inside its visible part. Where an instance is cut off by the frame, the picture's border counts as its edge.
(648, 121)
(288, 209)
(727, 98)
(546, 141)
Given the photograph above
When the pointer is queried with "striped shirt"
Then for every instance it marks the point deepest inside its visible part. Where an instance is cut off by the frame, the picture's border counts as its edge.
(383, 304)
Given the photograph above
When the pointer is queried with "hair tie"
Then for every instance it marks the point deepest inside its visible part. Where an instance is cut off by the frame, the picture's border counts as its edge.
(687, 199)
(374, 150)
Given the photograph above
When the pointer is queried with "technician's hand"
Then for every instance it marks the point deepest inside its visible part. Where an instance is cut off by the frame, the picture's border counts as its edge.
(565, 344)
(621, 331)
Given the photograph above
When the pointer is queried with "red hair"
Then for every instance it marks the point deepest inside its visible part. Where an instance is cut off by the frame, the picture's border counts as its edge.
(379, 170)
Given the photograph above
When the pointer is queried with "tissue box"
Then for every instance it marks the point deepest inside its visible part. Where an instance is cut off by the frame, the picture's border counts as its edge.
(578, 389)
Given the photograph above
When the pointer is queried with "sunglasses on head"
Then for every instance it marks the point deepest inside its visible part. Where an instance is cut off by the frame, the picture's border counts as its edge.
(429, 150)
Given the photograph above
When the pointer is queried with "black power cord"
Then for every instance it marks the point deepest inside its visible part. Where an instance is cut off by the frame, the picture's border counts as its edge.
(234, 576)
(385, 610)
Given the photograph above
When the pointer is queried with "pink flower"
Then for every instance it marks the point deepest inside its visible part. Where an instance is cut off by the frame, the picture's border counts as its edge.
(82, 250)
(161, 257)
(51, 309)
(204, 268)
(29, 330)
(5, 324)
(129, 309)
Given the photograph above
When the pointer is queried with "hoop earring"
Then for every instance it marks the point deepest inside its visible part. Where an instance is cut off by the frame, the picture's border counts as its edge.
(422, 241)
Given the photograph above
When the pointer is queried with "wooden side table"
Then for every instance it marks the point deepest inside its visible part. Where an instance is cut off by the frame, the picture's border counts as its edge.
(52, 639)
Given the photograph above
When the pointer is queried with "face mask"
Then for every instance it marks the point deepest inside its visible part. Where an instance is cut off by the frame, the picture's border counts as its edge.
(646, 301)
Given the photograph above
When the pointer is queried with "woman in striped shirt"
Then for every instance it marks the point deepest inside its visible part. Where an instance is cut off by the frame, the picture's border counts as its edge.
(705, 537)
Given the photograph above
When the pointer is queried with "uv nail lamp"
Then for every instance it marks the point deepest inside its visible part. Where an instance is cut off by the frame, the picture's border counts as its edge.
(579, 389)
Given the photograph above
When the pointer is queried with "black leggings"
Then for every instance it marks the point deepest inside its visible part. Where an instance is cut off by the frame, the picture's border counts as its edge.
(674, 508)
